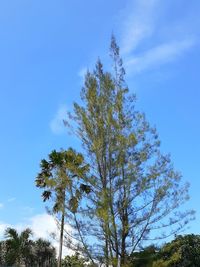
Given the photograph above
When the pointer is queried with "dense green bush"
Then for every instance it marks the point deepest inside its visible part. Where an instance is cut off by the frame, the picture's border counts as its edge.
(18, 249)
(183, 251)
(73, 261)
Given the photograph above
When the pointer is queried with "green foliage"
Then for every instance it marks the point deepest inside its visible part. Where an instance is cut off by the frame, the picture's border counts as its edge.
(143, 258)
(19, 249)
(18, 246)
(135, 188)
(58, 175)
(184, 251)
(61, 177)
(44, 253)
(73, 261)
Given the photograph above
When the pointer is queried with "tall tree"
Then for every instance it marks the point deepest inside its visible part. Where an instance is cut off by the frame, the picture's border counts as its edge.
(135, 190)
(60, 178)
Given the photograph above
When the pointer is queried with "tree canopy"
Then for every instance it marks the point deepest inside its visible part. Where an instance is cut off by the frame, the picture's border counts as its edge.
(133, 192)
(136, 192)
(73, 261)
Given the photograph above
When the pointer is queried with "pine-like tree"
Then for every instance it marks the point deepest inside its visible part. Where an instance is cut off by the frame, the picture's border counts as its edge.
(136, 193)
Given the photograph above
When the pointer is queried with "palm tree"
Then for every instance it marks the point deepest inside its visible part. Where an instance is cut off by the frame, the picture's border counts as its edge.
(3, 249)
(57, 178)
(45, 253)
(19, 247)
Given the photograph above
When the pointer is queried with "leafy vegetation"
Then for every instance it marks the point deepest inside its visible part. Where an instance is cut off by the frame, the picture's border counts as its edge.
(120, 194)
(135, 190)
(73, 261)
(57, 178)
(184, 251)
(18, 249)
(144, 258)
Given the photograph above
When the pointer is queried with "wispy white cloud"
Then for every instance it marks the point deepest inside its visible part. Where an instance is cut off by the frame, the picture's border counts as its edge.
(43, 225)
(11, 199)
(3, 227)
(1, 205)
(82, 72)
(159, 55)
(56, 124)
(140, 28)
(139, 23)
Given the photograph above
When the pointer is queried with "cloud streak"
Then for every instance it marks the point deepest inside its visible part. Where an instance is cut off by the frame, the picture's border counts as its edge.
(139, 24)
(56, 125)
(3, 227)
(140, 29)
(82, 73)
(11, 199)
(159, 55)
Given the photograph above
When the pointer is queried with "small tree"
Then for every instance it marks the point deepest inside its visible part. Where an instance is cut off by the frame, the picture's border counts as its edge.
(60, 178)
(144, 257)
(73, 261)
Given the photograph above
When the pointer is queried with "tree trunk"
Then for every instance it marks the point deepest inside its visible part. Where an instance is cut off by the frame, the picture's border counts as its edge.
(61, 239)
(124, 219)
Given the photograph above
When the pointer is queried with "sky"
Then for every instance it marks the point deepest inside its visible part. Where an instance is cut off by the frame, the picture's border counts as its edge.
(45, 49)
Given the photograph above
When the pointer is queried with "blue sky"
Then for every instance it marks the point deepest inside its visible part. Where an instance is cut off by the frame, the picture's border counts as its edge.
(45, 48)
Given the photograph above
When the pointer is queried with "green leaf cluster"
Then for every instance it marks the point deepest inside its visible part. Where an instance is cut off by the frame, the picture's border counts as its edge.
(19, 249)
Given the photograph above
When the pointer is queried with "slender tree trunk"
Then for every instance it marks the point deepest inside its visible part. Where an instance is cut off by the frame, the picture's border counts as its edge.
(107, 252)
(124, 219)
(111, 252)
(114, 225)
(61, 239)
(123, 253)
